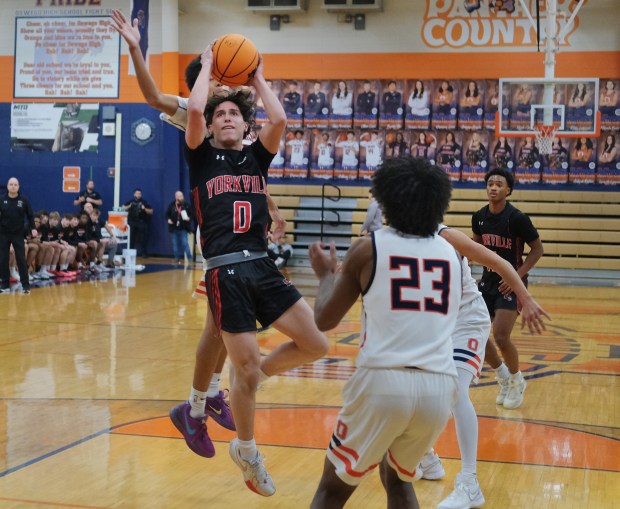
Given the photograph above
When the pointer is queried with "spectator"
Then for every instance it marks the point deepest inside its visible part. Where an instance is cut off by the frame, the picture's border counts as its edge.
(87, 247)
(108, 244)
(139, 212)
(280, 251)
(178, 215)
(89, 195)
(46, 258)
(374, 216)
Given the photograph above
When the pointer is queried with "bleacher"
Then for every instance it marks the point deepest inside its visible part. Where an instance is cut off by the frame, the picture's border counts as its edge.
(579, 229)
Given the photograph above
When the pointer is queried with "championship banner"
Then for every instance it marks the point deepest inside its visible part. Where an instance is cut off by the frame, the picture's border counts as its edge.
(66, 57)
(55, 127)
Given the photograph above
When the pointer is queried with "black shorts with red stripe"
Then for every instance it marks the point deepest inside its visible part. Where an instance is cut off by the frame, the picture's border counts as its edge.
(241, 293)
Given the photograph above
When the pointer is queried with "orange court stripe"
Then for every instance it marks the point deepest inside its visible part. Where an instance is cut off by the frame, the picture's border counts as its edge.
(505, 441)
(598, 366)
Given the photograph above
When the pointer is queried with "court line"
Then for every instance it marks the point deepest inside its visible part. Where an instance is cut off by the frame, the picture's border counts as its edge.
(55, 504)
(53, 453)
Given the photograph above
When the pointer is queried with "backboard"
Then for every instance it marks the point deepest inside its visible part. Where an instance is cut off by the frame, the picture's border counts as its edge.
(568, 104)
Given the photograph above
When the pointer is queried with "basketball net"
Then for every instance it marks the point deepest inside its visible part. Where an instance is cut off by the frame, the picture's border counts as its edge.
(545, 135)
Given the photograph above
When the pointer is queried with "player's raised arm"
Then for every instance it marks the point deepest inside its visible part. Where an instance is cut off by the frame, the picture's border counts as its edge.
(339, 286)
(278, 227)
(272, 131)
(163, 102)
(196, 130)
(532, 313)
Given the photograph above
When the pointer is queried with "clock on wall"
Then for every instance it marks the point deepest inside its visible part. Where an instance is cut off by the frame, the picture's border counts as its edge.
(142, 131)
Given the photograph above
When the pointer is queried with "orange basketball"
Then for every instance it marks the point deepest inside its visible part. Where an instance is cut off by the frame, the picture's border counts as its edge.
(235, 59)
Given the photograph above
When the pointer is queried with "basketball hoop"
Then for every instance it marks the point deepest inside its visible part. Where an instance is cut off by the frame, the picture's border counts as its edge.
(545, 135)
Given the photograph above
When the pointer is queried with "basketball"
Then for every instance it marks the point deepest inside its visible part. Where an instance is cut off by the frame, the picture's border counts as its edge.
(235, 59)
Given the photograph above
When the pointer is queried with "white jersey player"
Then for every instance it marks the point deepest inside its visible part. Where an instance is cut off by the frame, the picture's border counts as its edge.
(400, 397)
(469, 340)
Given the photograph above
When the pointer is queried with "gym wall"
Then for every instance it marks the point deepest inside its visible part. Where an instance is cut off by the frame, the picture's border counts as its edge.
(409, 39)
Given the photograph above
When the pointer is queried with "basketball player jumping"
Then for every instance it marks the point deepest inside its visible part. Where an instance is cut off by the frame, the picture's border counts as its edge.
(228, 182)
(206, 395)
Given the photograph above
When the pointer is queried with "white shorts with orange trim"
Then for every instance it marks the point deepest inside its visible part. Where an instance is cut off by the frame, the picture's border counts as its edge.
(400, 412)
(470, 337)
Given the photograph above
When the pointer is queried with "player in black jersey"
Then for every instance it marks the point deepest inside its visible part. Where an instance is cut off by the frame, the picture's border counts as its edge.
(206, 394)
(228, 182)
(505, 230)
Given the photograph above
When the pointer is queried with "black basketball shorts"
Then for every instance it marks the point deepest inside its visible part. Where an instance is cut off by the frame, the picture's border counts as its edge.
(241, 293)
(494, 298)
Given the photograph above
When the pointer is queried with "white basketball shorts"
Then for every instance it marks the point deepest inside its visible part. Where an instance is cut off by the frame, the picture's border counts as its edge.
(398, 412)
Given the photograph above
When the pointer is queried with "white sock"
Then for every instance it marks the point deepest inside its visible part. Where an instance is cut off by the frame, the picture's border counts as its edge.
(247, 449)
(214, 385)
(502, 372)
(262, 376)
(466, 423)
(64, 266)
(198, 400)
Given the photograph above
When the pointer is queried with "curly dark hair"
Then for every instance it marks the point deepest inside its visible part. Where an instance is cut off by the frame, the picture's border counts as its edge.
(241, 98)
(502, 172)
(413, 194)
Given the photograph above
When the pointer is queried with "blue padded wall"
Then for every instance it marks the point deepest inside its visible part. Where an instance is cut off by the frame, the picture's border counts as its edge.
(157, 168)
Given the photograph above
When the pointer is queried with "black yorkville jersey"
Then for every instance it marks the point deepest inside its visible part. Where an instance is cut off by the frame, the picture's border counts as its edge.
(505, 233)
(228, 189)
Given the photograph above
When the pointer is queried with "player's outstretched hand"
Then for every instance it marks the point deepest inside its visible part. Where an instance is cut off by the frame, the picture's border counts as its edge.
(207, 55)
(532, 316)
(322, 262)
(258, 73)
(129, 32)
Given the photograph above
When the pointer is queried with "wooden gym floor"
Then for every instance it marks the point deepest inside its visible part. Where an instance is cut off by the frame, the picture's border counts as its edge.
(89, 370)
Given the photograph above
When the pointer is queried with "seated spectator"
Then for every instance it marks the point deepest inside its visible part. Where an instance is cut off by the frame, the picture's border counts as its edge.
(45, 254)
(67, 254)
(32, 250)
(68, 235)
(87, 246)
(105, 245)
(280, 251)
(64, 239)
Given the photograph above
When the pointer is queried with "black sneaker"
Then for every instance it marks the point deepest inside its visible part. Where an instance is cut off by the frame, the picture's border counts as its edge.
(26, 291)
